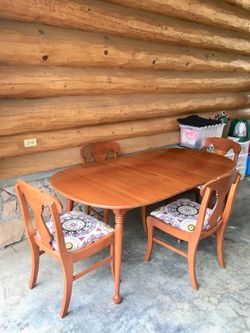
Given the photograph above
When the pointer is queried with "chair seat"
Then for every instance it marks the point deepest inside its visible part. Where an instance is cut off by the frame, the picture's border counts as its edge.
(181, 214)
(79, 230)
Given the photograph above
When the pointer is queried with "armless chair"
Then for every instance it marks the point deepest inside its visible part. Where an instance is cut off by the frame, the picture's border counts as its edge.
(219, 146)
(98, 152)
(68, 237)
(191, 222)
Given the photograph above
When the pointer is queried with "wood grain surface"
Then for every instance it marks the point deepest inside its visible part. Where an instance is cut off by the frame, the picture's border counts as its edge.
(140, 179)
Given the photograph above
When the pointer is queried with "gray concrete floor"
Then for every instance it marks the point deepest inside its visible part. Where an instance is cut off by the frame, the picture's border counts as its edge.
(157, 296)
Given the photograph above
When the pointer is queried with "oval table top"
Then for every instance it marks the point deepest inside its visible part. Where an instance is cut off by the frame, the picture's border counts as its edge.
(140, 179)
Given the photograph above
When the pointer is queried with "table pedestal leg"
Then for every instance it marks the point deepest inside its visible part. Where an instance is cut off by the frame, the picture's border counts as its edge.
(119, 219)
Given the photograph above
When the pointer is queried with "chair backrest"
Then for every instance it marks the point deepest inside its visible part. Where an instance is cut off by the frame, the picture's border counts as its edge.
(222, 190)
(221, 146)
(30, 196)
(99, 151)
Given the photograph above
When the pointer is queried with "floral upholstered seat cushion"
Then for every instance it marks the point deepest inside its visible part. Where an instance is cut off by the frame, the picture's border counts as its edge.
(79, 230)
(181, 214)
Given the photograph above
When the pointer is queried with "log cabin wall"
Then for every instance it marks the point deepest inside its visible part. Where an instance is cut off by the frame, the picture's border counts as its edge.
(74, 72)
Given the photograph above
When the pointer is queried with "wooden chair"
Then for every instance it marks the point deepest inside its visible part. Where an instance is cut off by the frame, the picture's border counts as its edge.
(191, 222)
(99, 152)
(219, 146)
(68, 238)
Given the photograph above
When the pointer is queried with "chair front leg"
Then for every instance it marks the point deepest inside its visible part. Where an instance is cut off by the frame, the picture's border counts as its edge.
(220, 246)
(35, 255)
(67, 266)
(191, 264)
(150, 227)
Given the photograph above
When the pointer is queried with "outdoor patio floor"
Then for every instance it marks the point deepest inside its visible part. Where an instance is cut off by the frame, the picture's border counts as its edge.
(157, 296)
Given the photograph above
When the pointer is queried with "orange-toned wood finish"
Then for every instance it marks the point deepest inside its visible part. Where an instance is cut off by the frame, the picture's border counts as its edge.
(135, 181)
(225, 189)
(100, 151)
(40, 238)
(222, 145)
(97, 152)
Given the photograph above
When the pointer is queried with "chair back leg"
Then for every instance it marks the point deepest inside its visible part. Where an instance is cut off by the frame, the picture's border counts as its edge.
(220, 246)
(150, 228)
(106, 216)
(143, 217)
(70, 204)
(87, 210)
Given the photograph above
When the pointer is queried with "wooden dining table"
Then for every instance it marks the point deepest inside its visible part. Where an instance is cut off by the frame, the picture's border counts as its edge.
(137, 180)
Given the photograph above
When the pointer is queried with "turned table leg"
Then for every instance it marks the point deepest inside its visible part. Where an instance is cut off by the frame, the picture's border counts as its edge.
(119, 219)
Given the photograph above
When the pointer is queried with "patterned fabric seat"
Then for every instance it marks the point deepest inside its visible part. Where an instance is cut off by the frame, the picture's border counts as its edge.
(181, 214)
(79, 230)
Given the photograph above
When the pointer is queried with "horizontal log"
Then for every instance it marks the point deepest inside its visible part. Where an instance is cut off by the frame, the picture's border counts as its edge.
(245, 4)
(39, 81)
(39, 44)
(141, 143)
(45, 161)
(51, 140)
(212, 12)
(34, 115)
(94, 15)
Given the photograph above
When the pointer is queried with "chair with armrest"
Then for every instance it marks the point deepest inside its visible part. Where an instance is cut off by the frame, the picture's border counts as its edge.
(68, 237)
(99, 152)
(191, 222)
